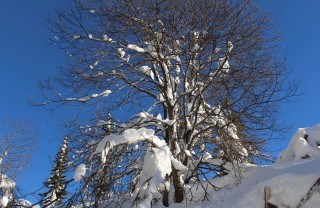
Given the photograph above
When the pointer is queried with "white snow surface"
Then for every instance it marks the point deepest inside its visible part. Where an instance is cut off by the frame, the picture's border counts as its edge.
(4, 201)
(289, 179)
(305, 143)
(288, 183)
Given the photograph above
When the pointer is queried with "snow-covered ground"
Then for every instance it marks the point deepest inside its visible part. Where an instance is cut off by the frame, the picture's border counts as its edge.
(288, 183)
(290, 179)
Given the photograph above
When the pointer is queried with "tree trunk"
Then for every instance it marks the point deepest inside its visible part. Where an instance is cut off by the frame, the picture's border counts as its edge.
(165, 199)
(178, 189)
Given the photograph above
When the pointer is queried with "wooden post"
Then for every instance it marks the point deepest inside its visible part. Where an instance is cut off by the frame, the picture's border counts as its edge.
(267, 196)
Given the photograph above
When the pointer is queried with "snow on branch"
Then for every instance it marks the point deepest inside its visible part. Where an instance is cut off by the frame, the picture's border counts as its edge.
(136, 48)
(157, 162)
(86, 98)
(145, 118)
(6, 188)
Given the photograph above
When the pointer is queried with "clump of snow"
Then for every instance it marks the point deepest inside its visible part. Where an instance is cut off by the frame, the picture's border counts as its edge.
(76, 36)
(80, 172)
(121, 52)
(230, 46)
(4, 201)
(155, 167)
(147, 71)
(136, 48)
(224, 64)
(24, 203)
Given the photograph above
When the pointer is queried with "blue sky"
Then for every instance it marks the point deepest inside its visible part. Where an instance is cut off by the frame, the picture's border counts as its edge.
(299, 25)
(26, 56)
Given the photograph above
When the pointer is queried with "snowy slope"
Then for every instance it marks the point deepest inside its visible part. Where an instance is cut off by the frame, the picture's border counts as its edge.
(289, 179)
(289, 183)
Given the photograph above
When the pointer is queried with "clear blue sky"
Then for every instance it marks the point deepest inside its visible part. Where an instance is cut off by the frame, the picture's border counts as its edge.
(26, 56)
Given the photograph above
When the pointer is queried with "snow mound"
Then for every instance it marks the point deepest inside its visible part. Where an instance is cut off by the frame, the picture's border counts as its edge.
(289, 184)
(304, 144)
(294, 181)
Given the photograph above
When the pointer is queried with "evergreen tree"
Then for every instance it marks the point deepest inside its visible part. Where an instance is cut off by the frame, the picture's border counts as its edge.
(57, 183)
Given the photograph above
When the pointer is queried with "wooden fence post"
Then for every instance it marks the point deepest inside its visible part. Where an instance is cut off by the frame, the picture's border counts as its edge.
(267, 196)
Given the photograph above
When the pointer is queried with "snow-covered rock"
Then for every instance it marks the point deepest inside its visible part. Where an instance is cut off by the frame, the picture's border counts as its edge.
(304, 144)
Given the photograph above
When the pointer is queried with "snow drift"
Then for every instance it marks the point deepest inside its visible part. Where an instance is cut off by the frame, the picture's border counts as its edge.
(293, 179)
(304, 144)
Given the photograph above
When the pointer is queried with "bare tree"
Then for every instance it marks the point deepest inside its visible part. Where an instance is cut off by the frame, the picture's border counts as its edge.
(204, 75)
(17, 143)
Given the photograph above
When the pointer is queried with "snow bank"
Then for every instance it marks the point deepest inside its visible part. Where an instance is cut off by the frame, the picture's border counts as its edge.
(289, 180)
(304, 144)
(288, 183)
